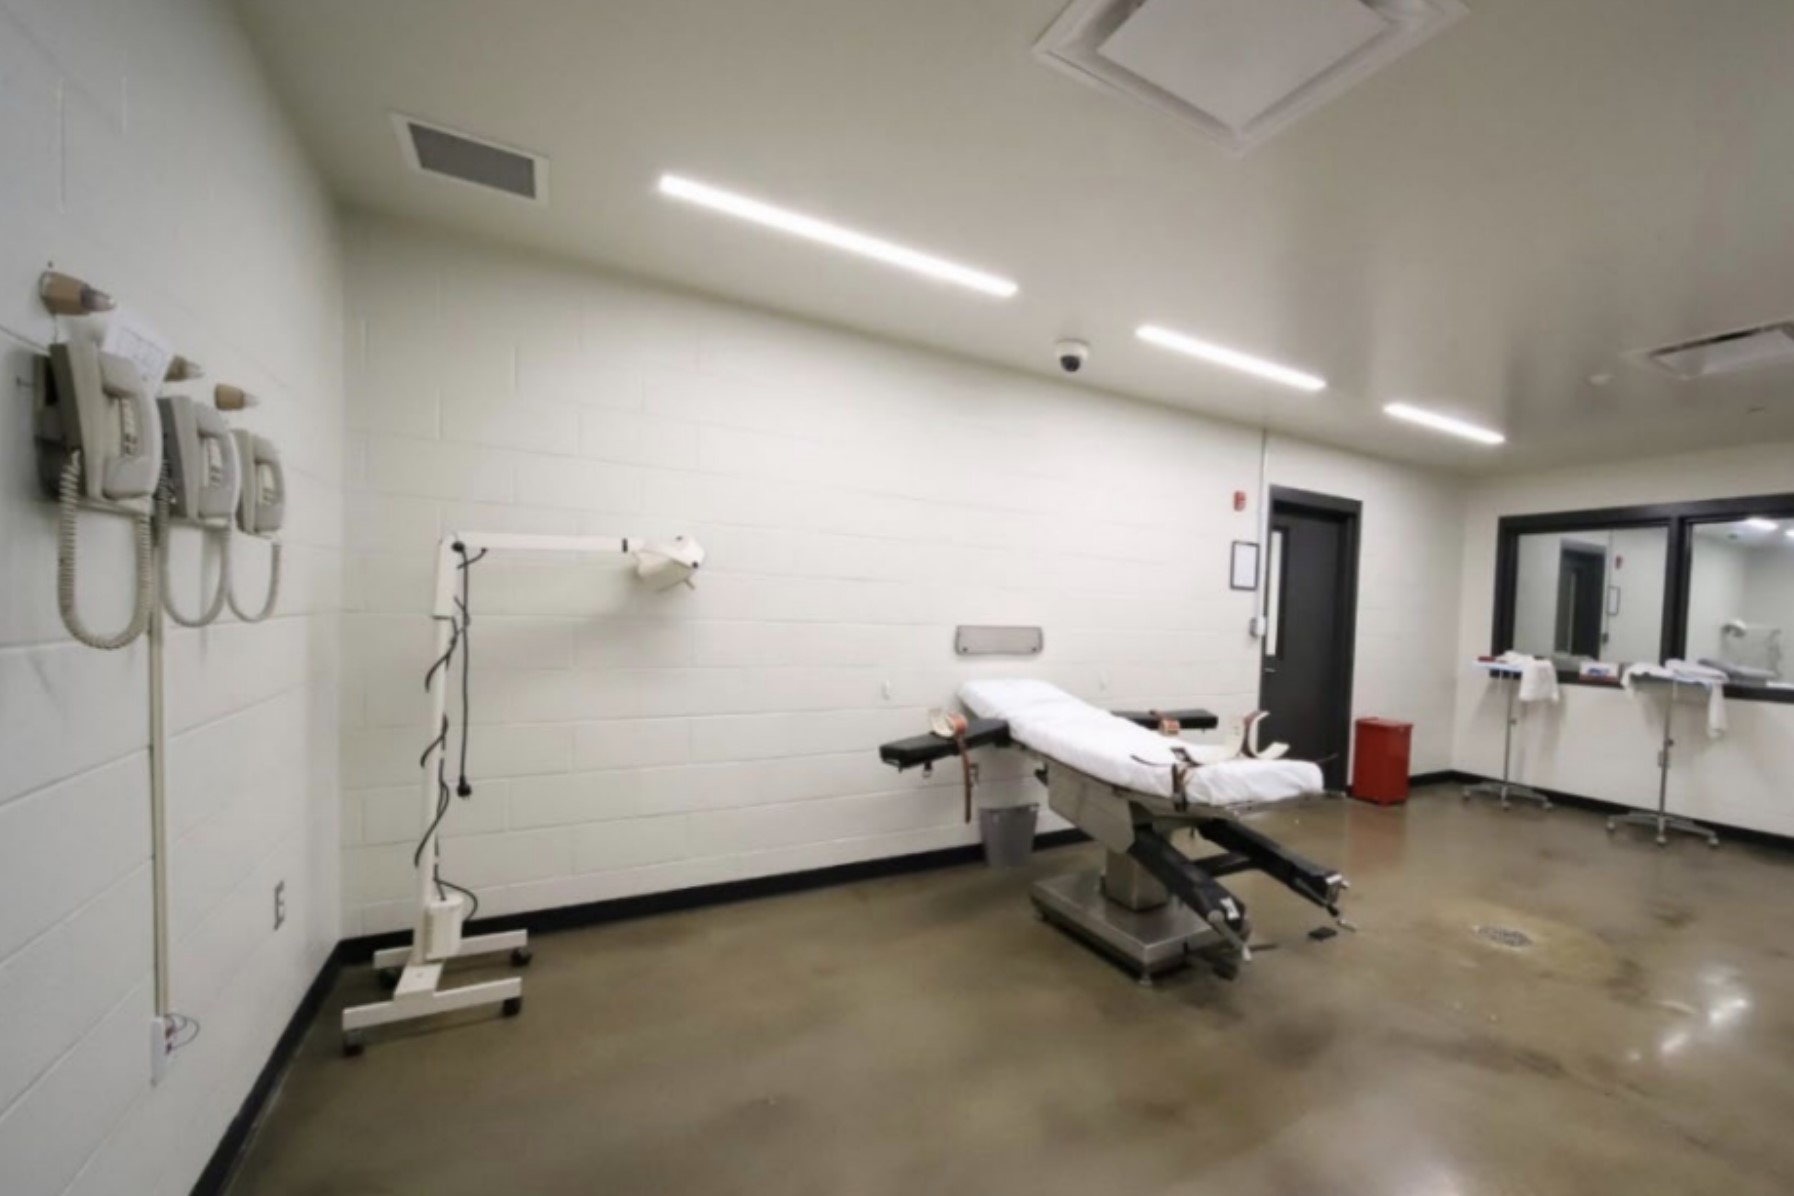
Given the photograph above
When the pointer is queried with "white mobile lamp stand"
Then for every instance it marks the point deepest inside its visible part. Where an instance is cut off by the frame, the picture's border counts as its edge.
(1506, 789)
(436, 935)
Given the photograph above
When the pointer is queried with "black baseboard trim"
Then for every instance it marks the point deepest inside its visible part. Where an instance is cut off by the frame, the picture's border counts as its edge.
(596, 913)
(222, 1166)
(1418, 779)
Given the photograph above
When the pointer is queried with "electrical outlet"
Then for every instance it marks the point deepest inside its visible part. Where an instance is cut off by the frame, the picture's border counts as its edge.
(161, 1047)
(280, 904)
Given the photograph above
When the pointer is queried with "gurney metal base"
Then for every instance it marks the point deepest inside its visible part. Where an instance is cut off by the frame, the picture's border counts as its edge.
(1147, 942)
(1506, 791)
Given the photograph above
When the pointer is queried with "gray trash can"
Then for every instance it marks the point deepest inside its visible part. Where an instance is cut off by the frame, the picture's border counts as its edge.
(1008, 834)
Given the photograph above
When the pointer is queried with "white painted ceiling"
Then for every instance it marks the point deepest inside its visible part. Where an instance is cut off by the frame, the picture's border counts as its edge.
(1543, 190)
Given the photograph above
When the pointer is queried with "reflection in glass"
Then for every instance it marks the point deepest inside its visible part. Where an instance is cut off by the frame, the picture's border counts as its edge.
(1740, 596)
(1591, 595)
(1274, 595)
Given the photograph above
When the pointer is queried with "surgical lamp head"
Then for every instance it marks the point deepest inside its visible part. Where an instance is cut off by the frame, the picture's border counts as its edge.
(663, 566)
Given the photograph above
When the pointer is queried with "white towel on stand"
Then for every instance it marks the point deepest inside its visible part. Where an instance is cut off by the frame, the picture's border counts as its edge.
(1538, 677)
(1684, 673)
(1714, 679)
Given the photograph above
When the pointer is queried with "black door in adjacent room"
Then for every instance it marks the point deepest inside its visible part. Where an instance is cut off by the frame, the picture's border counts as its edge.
(1311, 592)
(1581, 585)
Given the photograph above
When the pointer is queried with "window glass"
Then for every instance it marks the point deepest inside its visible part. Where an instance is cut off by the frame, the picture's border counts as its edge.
(1591, 595)
(1741, 596)
(1274, 596)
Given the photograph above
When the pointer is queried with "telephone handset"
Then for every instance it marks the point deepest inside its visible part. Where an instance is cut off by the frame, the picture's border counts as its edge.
(263, 502)
(202, 460)
(261, 505)
(96, 404)
(201, 490)
(99, 440)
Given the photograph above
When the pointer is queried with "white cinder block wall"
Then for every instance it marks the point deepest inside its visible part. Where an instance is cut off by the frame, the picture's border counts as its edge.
(858, 500)
(143, 153)
(1602, 743)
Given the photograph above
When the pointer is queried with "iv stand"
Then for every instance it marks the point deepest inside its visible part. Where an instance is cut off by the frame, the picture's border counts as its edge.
(1505, 788)
(1661, 819)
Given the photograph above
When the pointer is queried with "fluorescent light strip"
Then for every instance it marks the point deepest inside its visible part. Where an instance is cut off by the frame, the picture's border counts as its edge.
(1233, 359)
(1443, 423)
(1757, 523)
(822, 232)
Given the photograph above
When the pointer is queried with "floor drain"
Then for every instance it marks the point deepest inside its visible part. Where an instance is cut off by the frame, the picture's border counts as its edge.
(1505, 936)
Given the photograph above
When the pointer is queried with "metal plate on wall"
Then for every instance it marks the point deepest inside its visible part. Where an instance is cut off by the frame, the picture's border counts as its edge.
(998, 641)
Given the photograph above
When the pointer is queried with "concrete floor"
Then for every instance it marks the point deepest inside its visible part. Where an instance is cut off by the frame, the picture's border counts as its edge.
(926, 1034)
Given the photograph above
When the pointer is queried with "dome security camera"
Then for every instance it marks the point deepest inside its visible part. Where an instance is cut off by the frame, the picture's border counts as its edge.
(1072, 355)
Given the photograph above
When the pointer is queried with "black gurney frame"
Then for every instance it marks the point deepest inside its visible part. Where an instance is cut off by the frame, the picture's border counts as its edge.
(1150, 907)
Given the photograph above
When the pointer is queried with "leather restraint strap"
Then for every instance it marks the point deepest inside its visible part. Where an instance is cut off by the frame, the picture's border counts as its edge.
(1181, 764)
(950, 725)
(1249, 735)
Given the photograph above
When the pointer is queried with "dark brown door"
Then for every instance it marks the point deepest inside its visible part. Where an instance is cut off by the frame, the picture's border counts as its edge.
(1311, 599)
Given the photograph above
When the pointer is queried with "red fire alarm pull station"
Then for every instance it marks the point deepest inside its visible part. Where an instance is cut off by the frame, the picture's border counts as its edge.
(1239, 500)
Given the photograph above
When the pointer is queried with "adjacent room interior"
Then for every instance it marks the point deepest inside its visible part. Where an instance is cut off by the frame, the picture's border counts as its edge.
(1031, 596)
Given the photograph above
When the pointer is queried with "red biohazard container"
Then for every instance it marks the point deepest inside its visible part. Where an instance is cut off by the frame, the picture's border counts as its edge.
(1380, 761)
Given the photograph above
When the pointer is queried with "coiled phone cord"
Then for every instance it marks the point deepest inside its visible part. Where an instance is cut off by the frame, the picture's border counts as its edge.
(273, 586)
(67, 530)
(218, 594)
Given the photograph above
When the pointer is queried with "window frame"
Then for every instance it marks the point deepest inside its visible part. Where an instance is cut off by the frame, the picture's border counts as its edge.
(1679, 519)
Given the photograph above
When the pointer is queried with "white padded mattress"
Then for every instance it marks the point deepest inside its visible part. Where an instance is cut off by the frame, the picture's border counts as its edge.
(1063, 728)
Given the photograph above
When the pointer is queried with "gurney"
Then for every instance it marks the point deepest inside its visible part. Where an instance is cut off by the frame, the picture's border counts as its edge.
(1124, 779)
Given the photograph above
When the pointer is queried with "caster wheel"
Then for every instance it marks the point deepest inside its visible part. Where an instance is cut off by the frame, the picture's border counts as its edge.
(513, 1006)
(389, 978)
(1143, 980)
(1610, 826)
(1228, 971)
(1663, 842)
(353, 1044)
(520, 957)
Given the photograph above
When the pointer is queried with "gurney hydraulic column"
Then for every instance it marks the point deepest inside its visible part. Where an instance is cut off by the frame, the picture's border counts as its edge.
(1149, 908)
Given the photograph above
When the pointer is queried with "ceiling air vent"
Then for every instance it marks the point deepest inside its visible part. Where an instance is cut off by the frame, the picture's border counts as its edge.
(432, 149)
(1727, 353)
(1237, 70)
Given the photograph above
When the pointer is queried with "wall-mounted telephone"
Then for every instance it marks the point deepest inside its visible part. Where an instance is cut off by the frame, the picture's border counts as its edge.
(99, 442)
(94, 403)
(202, 460)
(201, 489)
(262, 506)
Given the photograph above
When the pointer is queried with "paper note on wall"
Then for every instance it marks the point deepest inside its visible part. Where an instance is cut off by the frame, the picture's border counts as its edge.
(134, 338)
